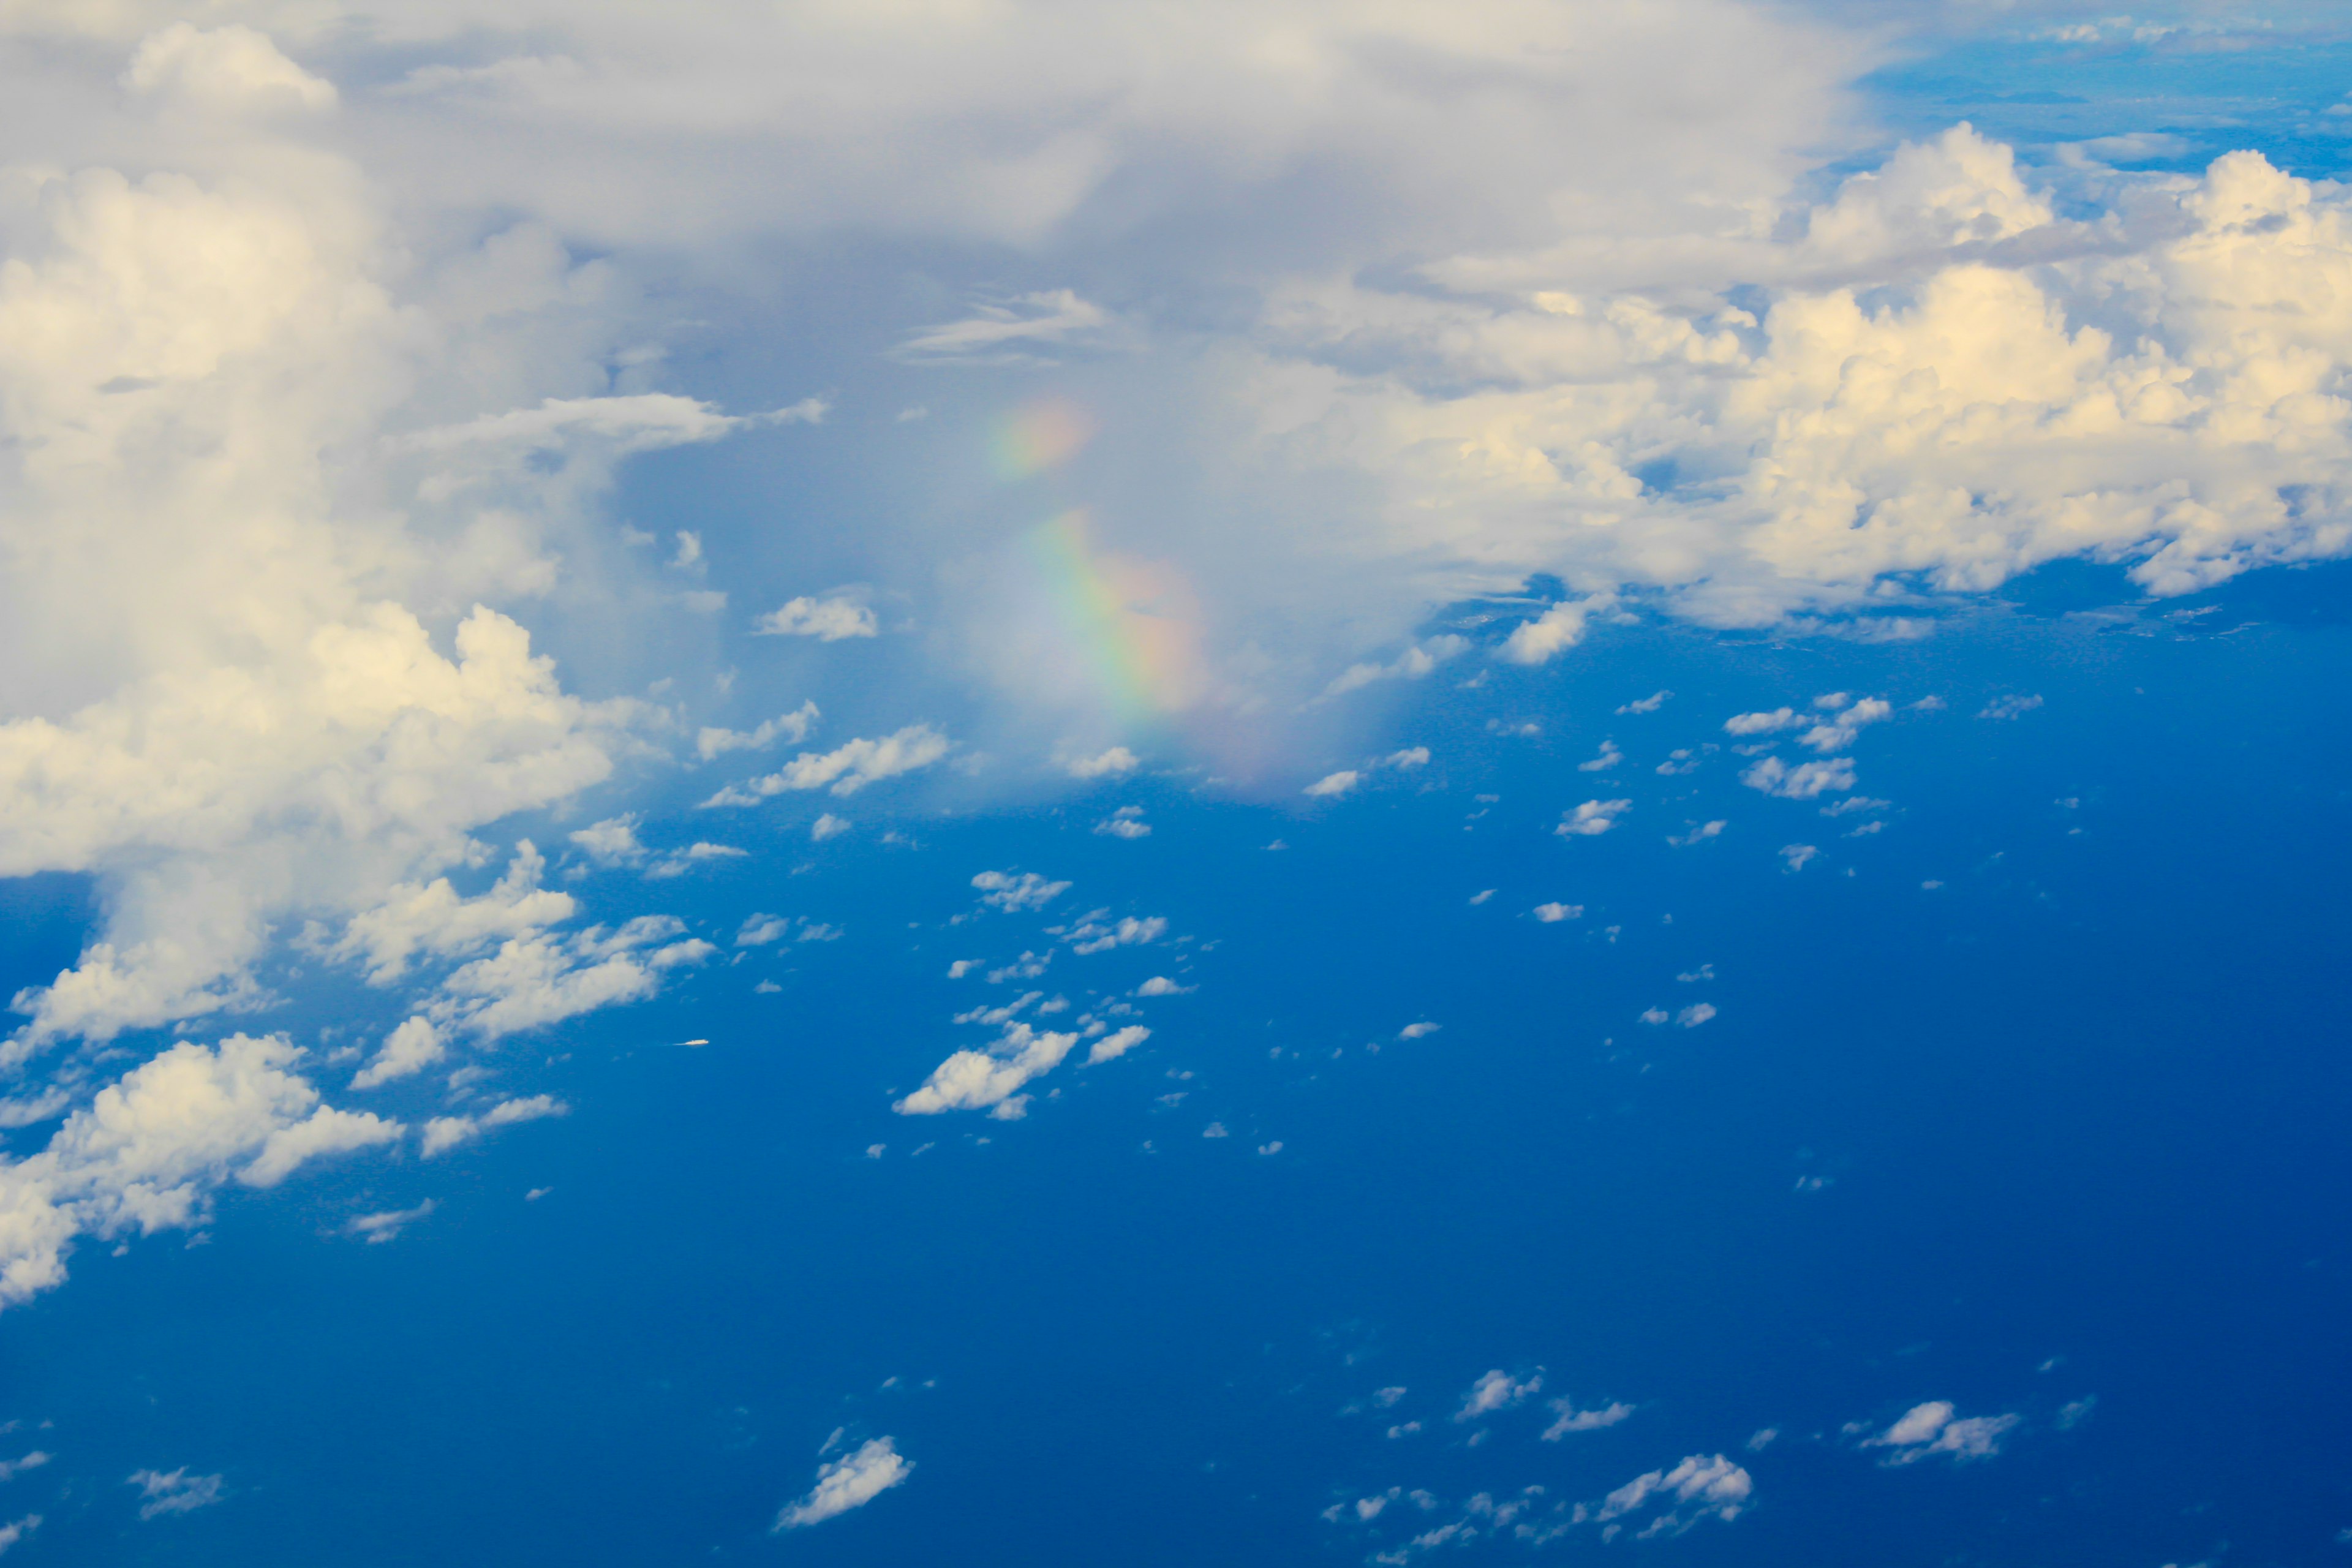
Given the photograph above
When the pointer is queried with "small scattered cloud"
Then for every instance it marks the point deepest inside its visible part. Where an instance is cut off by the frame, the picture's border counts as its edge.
(828, 826)
(1013, 894)
(1763, 723)
(2009, 707)
(1702, 1487)
(1481, 895)
(1497, 1390)
(847, 769)
(1126, 822)
(1926, 1430)
(173, 1492)
(715, 742)
(1569, 1419)
(386, 1226)
(1698, 1013)
(1118, 1043)
(443, 1133)
(1413, 664)
(1793, 857)
(834, 617)
(991, 1080)
(1114, 763)
(1592, 818)
(1806, 781)
(1020, 331)
(1160, 985)
(1649, 704)
(1555, 631)
(1416, 1031)
(1608, 757)
(1090, 936)
(1410, 757)
(850, 1481)
(1699, 833)
(1552, 914)
(1329, 784)
(17, 1530)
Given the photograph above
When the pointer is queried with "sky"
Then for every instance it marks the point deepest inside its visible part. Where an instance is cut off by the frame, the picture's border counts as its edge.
(1007, 782)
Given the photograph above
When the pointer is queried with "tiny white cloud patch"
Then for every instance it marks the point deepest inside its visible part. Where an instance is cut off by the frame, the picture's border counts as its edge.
(1330, 785)
(828, 826)
(1934, 1429)
(847, 769)
(386, 1224)
(1806, 781)
(1416, 1031)
(1118, 1043)
(1013, 893)
(1497, 1390)
(850, 1481)
(1411, 757)
(991, 1080)
(1568, 1418)
(714, 742)
(834, 617)
(1555, 631)
(1649, 704)
(1608, 757)
(1763, 723)
(165, 1492)
(1592, 818)
(1160, 985)
(1114, 763)
(1552, 914)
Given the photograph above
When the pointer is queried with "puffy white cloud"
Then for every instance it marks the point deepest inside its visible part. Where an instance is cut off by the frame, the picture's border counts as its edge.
(1841, 733)
(828, 826)
(1093, 936)
(1418, 1030)
(1013, 894)
(1702, 1487)
(412, 1048)
(1932, 1428)
(1608, 757)
(152, 1148)
(2010, 707)
(794, 726)
(1160, 985)
(1126, 822)
(1330, 785)
(1569, 1419)
(1763, 723)
(850, 1481)
(434, 921)
(1592, 818)
(1411, 665)
(1559, 629)
(1117, 1044)
(173, 1492)
(1806, 781)
(1553, 913)
(1794, 856)
(385, 1224)
(1410, 757)
(540, 979)
(1649, 704)
(989, 1079)
(1112, 763)
(836, 617)
(1496, 1390)
(443, 1133)
(847, 768)
(1698, 833)
(17, 1530)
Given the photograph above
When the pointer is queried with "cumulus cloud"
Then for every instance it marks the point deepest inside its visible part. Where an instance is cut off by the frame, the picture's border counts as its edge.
(847, 769)
(412, 1048)
(991, 1079)
(1126, 822)
(713, 742)
(1806, 781)
(1011, 893)
(1553, 913)
(1092, 935)
(1557, 629)
(1411, 665)
(836, 617)
(1118, 1043)
(443, 1133)
(1702, 1487)
(1569, 1419)
(152, 1148)
(1112, 763)
(1496, 1390)
(1330, 785)
(164, 1492)
(1592, 818)
(850, 1481)
(1932, 1429)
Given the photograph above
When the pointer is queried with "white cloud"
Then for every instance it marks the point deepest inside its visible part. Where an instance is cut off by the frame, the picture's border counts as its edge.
(386, 1226)
(850, 1481)
(173, 1492)
(1417, 1031)
(1160, 985)
(412, 1048)
(1794, 856)
(1126, 822)
(1413, 664)
(828, 826)
(1091, 936)
(1411, 757)
(991, 1079)
(847, 768)
(1609, 757)
(1698, 1013)
(1763, 723)
(11, 1469)
(1551, 914)
(1013, 894)
(1497, 1390)
(1569, 1419)
(534, 980)
(1649, 704)
(1591, 818)
(1699, 833)
(1559, 629)
(1700, 1487)
(1333, 783)
(151, 1150)
(1118, 1043)
(794, 726)
(1931, 1430)
(1018, 330)
(1806, 781)
(611, 842)
(833, 619)
(1113, 763)
(2010, 707)
(17, 1530)
(443, 1133)
(1841, 733)
(758, 929)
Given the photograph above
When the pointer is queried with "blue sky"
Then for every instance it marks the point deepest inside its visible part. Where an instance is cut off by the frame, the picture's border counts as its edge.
(1047, 784)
